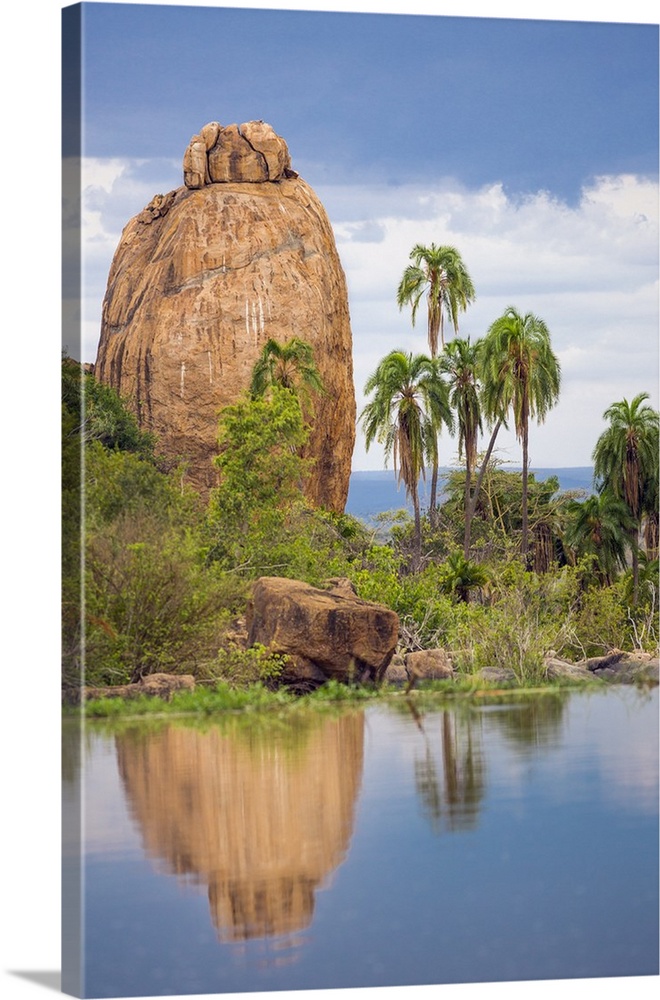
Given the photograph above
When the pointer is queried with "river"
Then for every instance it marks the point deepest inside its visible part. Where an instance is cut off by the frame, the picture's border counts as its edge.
(482, 842)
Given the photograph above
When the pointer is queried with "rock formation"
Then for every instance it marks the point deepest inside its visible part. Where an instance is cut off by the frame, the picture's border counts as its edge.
(325, 634)
(243, 252)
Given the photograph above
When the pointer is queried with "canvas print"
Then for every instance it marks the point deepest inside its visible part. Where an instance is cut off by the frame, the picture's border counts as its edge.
(359, 500)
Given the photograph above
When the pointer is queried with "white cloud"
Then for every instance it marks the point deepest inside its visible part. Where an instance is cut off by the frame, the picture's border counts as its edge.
(590, 270)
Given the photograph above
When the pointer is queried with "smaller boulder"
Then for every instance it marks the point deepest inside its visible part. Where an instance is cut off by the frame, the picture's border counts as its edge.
(556, 668)
(499, 675)
(396, 672)
(155, 685)
(251, 153)
(429, 665)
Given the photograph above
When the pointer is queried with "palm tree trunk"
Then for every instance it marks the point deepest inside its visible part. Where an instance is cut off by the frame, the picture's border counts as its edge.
(466, 540)
(634, 538)
(472, 506)
(417, 538)
(433, 512)
(525, 518)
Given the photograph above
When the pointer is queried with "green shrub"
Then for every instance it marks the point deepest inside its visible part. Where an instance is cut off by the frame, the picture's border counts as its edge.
(243, 667)
(150, 603)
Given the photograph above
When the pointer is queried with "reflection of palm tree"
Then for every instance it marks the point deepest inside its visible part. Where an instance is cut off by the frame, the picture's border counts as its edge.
(428, 788)
(452, 803)
(463, 767)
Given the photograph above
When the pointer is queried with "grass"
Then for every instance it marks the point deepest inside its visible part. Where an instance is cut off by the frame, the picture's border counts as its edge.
(224, 699)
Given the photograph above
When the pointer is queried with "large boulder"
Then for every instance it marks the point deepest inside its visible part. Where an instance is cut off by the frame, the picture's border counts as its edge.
(325, 634)
(203, 277)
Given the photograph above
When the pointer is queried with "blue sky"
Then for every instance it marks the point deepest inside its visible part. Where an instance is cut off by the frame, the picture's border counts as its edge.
(531, 145)
(389, 97)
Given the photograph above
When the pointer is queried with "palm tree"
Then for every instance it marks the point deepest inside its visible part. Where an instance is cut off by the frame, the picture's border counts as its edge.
(651, 517)
(440, 414)
(440, 272)
(494, 412)
(599, 527)
(460, 576)
(460, 362)
(409, 399)
(290, 365)
(626, 461)
(523, 374)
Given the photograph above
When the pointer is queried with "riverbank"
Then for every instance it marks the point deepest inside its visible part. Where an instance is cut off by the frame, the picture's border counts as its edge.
(171, 695)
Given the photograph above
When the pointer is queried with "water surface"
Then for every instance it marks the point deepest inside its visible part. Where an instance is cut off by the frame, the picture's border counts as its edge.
(477, 843)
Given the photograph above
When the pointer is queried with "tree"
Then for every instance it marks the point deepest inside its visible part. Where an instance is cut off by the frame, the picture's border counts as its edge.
(290, 366)
(523, 374)
(404, 415)
(497, 522)
(441, 273)
(460, 361)
(101, 414)
(440, 415)
(599, 527)
(261, 471)
(651, 517)
(626, 461)
(460, 576)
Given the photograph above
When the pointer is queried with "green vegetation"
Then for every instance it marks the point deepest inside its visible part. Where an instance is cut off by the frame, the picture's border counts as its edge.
(519, 362)
(499, 573)
(442, 274)
(626, 465)
(410, 404)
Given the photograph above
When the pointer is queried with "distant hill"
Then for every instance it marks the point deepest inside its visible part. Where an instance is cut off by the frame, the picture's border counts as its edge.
(371, 493)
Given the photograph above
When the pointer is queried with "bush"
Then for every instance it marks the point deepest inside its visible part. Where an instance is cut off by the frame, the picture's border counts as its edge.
(150, 603)
(243, 667)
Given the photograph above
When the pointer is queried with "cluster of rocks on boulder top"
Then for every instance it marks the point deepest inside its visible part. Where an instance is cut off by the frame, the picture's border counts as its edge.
(251, 153)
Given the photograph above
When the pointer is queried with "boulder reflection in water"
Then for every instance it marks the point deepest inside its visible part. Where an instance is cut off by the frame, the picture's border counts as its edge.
(261, 817)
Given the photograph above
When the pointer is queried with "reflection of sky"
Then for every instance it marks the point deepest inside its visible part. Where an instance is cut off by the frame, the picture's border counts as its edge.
(610, 742)
(108, 827)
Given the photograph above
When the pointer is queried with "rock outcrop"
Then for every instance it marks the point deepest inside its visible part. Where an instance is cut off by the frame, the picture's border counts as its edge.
(325, 634)
(203, 277)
